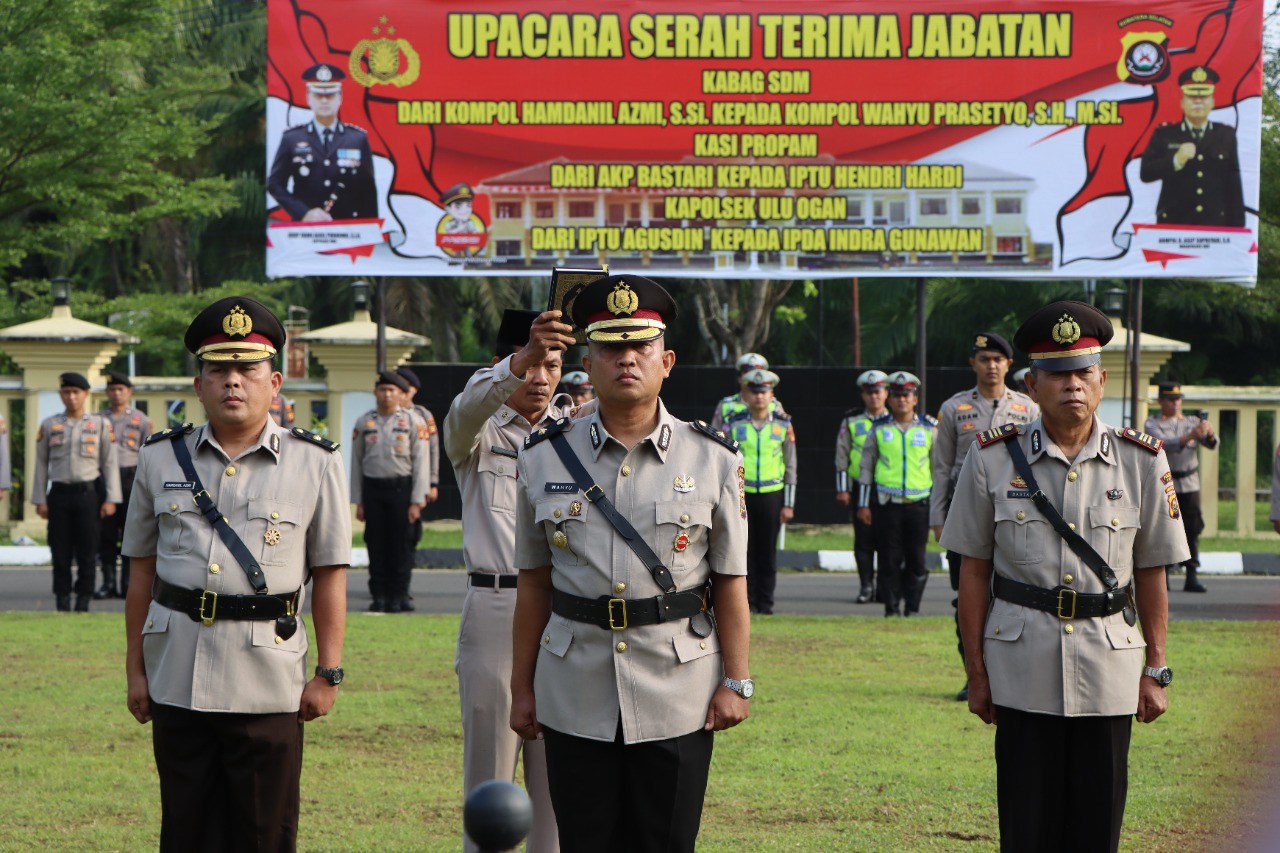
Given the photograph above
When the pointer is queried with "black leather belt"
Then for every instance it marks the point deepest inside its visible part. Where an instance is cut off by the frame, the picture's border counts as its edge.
(619, 613)
(1179, 475)
(389, 482)
(1062, 601)
(74, 487)
(489, 581)
(206, 606)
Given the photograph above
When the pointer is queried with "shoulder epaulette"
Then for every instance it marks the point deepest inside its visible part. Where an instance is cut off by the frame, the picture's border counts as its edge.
(1150, 442)
(882, 419)
(168, 434)
(542, 433)
(991, 436)
(705, 429)
(742, 415)
(306, 435)
(928, 420)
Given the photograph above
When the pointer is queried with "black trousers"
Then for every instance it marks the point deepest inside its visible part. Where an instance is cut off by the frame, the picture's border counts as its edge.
(764, 520)
(73, 535)
(954, 559)
(638, 798)
(386, 535)
(1061, 782)
(1193, 524)
(111, 533)
(864, 548)
(902, 531)
(229, 783)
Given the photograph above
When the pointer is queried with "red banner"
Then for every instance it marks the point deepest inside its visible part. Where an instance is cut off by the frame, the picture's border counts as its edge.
(765, 139)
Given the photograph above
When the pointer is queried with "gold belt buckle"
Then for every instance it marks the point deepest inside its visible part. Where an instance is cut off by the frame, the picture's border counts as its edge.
(209, 598)
(614, 626)
(1072, 614)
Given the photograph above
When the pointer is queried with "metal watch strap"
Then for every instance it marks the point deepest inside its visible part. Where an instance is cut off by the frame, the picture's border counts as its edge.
(596, 496)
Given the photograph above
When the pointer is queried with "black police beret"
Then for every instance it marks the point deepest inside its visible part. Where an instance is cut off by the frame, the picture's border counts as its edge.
(623, 308)
(409, 376)
(1171, 390)
(391, 377)
(992, 341)
(235, 329)
(114, 377)
(73, 380)
(1066, 335)
(514, 331)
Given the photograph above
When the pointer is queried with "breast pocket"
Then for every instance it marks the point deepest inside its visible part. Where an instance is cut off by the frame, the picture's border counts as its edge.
(563, 518)
(274, 531)
(682, 533)
(498, 480)
(1022, 531)
(1113, 530)
(178, 520)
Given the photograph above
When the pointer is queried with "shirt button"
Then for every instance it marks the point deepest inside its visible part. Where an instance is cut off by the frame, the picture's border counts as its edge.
(231, 470)
(702, 645)
(1115, 522)
(1068, 578)
(173, 507)
(1022, 516)
(626, 470)
(556, 513)
(1072, 475)
(619, 587)
(279, 639)
(1070, 629)
(502, 469)
(622, 647)
(997, 631)
(275, 515)
(546, 639)
(1071, 524)
(214, 568)
(151, 623)
(684, 519)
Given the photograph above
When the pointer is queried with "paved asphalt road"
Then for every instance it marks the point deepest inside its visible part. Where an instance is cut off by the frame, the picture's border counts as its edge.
(808, 593)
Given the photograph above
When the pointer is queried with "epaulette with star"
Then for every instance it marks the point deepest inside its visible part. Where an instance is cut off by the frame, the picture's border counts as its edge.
(168, 434)
(313, 438)
(887, 417)
(928, 420)
(996, 434)
(704, 428)
(1150, 442)
(545, 432)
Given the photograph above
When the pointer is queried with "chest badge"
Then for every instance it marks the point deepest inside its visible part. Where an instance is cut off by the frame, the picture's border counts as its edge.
(1115, 494)
(575, 508)
(272, 536)
(1018, 482)
(682, 541)
(560, 539)
(684, 484)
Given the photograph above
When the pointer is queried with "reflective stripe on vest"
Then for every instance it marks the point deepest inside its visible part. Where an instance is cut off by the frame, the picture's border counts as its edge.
(903, 467)
(762, 454)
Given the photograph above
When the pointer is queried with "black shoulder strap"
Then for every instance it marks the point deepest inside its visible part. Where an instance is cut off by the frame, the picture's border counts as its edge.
(313, 438)
(210, 511)
(168, 434)
(1083, 549)
(705, 428)
(596, 496)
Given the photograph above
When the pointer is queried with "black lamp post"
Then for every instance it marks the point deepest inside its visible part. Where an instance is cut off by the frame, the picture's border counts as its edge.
(360, 295)
(60, 288)
(1113, 302)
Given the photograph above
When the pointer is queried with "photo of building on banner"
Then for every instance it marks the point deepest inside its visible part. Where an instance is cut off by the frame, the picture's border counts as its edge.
(744, 139)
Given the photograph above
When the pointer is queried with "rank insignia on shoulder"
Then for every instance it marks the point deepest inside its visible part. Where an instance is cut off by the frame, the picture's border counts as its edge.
(558, 425)
(991, 436)
(1150, 442)
(168, 434)
(319, 441)
(702, 427)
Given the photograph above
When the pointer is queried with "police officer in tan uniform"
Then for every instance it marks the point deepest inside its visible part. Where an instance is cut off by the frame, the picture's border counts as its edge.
(217, 653)
(627, 683)
(850, 440)
(389, 465)
(483, 430)
(1182, 436)
(76, 484)
(282, 411)
(6, 466)
(131, 427)
(578, 386)
(965, 414)
(1053, 653)
(1275, 492)
(433, 437)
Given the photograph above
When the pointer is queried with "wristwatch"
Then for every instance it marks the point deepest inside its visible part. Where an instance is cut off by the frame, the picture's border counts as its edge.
(745, 688)
(331, 674)
(1162, 674)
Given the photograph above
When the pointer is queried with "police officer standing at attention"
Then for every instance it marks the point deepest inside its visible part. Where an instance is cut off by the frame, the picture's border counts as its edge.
(323, 170)
(388, 484)
(850, 439)
(735, 403)
(577, 385)
(768, 444)
(988, 404)
(217, 654)
(130, 427)
(1181, 435)
(619, 661)
(6, 465)
(486, 425)
(895, 483)
(432, 433)
(76, 463)
(1275, 491)
(1056, 519)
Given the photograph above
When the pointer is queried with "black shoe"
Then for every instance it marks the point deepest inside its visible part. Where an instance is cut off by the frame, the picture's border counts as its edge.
(963, 695)
(82, 604)
(105, 591)
(864, 595)
(1195, 586)
(377, 606)
(64, 603)
(392, 606)
(406, 604)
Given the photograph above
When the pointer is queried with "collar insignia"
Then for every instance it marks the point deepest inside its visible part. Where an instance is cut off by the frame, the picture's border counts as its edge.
(664, 437)
(595, 437)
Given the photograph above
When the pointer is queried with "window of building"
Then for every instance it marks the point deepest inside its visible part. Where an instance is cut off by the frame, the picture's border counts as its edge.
(507, 248)
(582, 209)
(853, 209)
(1009, 245)
(971, 206)
(617, 215)
(1009, 205)
(889, 212)
(933, 207)
(507, 210)
(544, 209)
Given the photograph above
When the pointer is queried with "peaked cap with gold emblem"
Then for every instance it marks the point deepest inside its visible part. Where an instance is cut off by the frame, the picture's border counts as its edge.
(1063, 336)
(235, 329)
(623, 308)
(1198, 81)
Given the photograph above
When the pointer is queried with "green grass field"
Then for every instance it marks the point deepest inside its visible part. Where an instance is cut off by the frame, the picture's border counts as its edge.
(854, 744)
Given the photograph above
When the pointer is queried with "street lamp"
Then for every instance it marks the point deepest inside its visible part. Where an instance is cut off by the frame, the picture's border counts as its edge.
(60, 288)
(1113, 301)
(360, 295)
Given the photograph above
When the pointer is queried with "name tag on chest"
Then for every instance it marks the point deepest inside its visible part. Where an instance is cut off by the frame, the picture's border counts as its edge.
(176, 484)
(564, 488)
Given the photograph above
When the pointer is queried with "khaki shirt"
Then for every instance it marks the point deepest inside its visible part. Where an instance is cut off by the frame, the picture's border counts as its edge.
(1182, 458)
(283, 483)
(6, 468)
(77, 451)
(960, 419)
(682, 491)
(1119, 496)
(393, 445)
(433, 438)
(131, 428)
(482, 436)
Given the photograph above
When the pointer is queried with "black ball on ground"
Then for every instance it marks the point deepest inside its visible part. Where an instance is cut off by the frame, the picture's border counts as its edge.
(497, 815)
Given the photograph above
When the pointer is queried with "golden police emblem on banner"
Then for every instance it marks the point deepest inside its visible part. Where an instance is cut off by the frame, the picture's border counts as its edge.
(383, 58)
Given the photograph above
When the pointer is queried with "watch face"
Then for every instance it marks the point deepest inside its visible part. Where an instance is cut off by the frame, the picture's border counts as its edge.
(1166, 676)
(748, 689)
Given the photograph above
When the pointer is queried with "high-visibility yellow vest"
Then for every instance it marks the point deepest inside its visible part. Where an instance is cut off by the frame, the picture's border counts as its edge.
(902, 469)
(761, 449)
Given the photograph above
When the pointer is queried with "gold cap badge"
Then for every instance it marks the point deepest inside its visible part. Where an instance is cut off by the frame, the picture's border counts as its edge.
(623, 300)
(1066, 331)
(237, 322)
